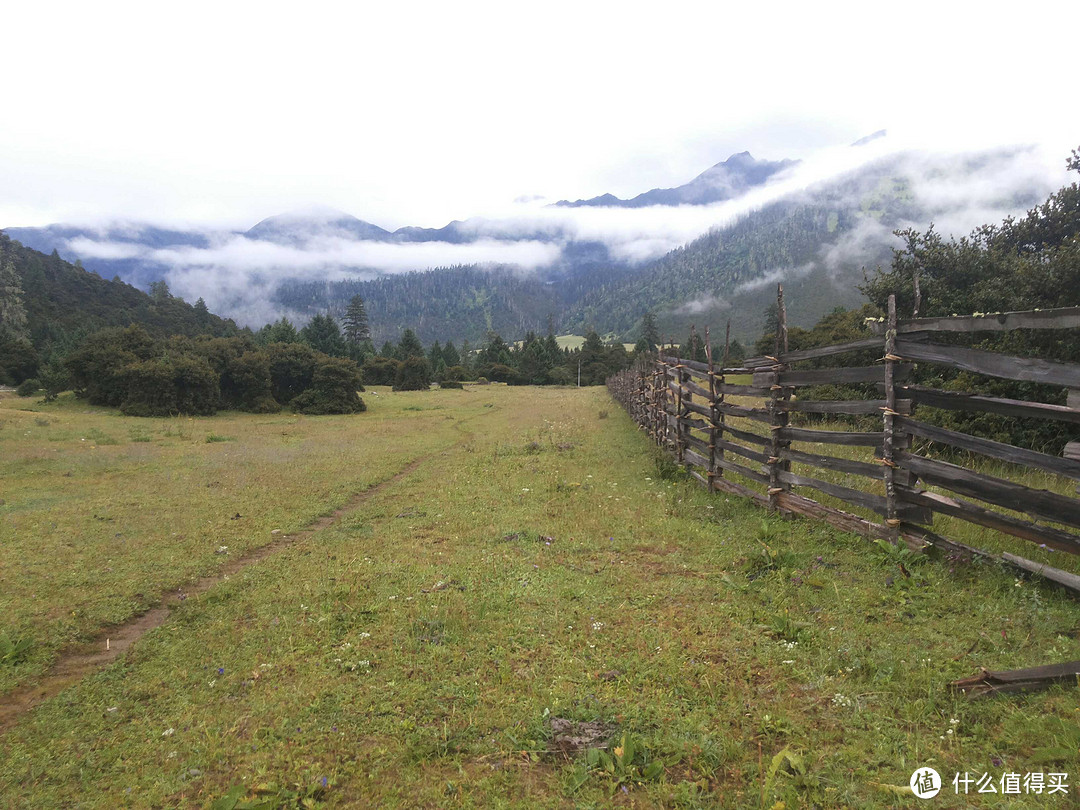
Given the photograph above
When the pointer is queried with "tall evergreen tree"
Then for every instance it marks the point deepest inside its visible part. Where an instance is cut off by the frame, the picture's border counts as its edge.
(409, 346)
(357, 329)
(650, 334)
(323, 334)
(450, 355)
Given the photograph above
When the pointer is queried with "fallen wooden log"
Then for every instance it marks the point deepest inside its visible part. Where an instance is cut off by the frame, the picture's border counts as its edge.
(988, 683)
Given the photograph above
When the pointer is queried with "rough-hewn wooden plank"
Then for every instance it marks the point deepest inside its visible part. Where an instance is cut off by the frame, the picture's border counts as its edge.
(998, 450)
(698, 444)
(695, 458)
(834, 437)
(1072, 399)
(745, 452)
(1042, 535)
(812, 354)
(746, 472)
(693, 388)
(830, 463)
(1063, 578)
(1026, 369)
(835, 406)
(1061, 318)
(693, 365)
(758, 414)
(799, 505)
(1009, 561)
(1039, 503)
(1031, 679)
(733, 488)
(745, 436)
(856, 497)
(1072, 451)
(694, 407)
(1006, 407)
(740, 390)
(829, 376)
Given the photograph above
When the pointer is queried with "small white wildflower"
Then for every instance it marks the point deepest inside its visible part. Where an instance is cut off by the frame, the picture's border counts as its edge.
(223, 550)
(365, 635)
(789, 661)
(954, 722)
(211, 683)
(168, 732)
(172, 755)
(597, 625)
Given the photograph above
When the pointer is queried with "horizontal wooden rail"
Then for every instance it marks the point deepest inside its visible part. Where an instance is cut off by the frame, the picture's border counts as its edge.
(815, 353)
(1024, 369)
(988, 447)
(1039, 503)
(873, 439)
(1061, 318)
(1042, 535)
(954, 401)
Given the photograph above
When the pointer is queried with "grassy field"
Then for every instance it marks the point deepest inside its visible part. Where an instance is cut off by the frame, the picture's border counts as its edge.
(539, 563)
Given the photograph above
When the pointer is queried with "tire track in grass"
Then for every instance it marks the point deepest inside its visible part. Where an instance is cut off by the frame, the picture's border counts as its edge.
(75, 663)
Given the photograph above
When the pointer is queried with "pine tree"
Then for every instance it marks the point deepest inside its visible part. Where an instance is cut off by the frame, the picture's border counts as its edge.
(649, 333)
(450, 355)
(357, 329)
(323, 335)
(12, 311)
(410, 345)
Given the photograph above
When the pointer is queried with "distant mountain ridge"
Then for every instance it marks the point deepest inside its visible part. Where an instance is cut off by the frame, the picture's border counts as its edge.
(725, 181)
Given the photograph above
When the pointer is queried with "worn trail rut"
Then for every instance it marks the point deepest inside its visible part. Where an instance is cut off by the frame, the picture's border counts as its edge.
(77, 662)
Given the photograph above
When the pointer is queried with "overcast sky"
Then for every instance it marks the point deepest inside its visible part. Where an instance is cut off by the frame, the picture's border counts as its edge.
(419, 113)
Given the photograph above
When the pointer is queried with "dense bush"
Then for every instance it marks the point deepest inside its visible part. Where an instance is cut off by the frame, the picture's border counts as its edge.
(292, 368)
(414, 374)
(380, 370)
(246, 384)
(334, 387)
(170, 385)
(28, 387)
(18, 361)
(497, 372)
(97, 367)
(144, 377)
(451, 384)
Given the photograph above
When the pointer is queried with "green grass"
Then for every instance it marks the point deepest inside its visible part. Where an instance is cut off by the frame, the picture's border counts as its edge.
(414, 653)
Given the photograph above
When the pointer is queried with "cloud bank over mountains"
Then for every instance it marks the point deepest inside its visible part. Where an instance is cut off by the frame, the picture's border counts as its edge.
(238, 273)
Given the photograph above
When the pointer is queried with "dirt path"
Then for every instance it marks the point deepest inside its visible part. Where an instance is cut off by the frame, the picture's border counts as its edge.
(77, 662)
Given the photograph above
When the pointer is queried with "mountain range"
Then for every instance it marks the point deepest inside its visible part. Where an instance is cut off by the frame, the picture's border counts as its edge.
(818, 238)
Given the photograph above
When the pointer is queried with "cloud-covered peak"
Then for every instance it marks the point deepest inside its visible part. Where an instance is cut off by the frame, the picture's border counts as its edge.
(303, 226)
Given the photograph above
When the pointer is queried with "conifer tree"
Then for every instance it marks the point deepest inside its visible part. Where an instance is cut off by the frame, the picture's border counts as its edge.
(357, 328)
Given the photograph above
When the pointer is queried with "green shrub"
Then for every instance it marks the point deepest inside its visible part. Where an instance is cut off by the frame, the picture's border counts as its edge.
(334, 387)
(292, 369)
(380, 370)
(28, 387)
(165, 386)
(18, 361)
(98, 366)
(450, 384)
(414, 374)
(246, 384)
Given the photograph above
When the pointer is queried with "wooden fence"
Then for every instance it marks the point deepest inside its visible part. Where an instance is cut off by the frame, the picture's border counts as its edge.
(747, 447)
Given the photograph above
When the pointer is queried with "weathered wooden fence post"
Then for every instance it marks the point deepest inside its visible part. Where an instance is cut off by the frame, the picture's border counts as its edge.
(779, 417)
(711, 471)
(892, 520)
